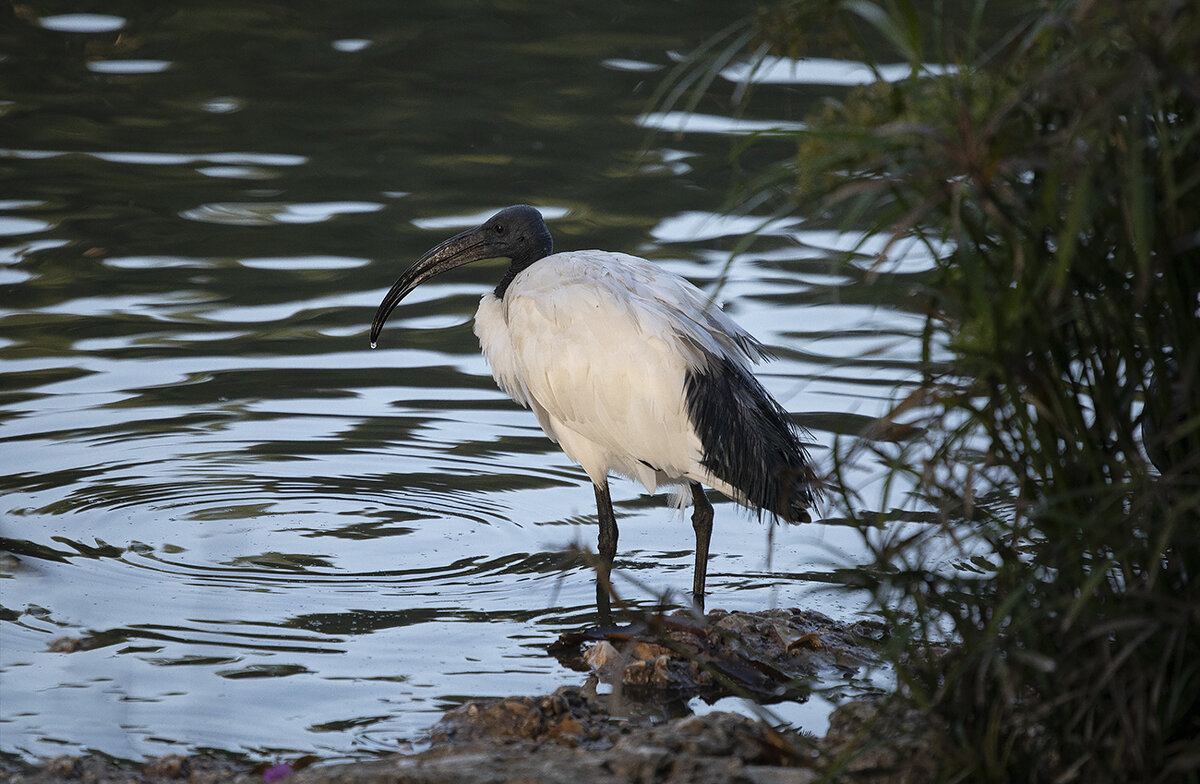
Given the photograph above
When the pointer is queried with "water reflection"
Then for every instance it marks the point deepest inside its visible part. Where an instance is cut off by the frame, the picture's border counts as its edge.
(265, 537)
(818, 71)
(82, 23)
(697, 122)
(265, 213)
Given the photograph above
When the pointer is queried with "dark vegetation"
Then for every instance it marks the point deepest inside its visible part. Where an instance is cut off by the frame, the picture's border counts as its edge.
(1052, 169)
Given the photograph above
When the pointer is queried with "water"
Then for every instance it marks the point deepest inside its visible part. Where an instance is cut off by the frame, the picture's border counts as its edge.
(268, 537)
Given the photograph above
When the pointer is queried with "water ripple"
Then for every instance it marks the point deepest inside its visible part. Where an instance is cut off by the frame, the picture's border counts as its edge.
(82, 23)
(220, 501)
(268, 213)
(128, 67)
(164, 158)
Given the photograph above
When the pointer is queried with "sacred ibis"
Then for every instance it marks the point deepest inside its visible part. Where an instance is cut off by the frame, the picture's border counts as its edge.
(631, 371)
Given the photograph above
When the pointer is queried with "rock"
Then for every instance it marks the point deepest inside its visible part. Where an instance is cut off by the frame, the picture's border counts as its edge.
(882, 743)
(172, 766)
(170, 769)
(567, 716)
(710, 749)
(769, 655)
(604, 659)
(65, 645)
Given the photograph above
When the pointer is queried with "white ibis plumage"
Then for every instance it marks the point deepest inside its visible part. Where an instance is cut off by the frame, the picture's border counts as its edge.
(630, 370)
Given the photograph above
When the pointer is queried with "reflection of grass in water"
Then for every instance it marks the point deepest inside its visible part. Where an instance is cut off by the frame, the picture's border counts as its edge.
(1053, 176)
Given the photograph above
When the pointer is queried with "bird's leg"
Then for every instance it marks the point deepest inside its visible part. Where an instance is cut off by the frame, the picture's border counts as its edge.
(702, 522)
(607, 544)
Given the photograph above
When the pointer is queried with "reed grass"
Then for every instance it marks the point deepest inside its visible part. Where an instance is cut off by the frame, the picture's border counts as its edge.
(1052, 168)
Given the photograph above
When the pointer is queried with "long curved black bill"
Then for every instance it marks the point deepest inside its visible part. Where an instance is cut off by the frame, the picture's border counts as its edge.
(471, 245)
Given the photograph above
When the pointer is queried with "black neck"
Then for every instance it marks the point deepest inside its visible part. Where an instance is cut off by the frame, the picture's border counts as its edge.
(513, 268)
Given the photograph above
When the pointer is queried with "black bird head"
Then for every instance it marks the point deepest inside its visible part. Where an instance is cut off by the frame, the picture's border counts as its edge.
(516, 233)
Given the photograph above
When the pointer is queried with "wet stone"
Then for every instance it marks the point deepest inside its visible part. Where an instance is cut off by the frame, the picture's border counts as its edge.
(566, 716)
(768, 654)
(169, 769)
(883, 743)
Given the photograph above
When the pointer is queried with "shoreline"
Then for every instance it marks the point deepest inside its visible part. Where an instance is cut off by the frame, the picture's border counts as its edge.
(575, 735)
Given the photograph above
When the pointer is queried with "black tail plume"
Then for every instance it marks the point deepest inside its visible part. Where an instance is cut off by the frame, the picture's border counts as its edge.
(749, 440)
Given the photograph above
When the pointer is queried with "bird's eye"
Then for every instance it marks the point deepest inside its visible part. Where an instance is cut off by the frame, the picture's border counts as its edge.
(499, 227)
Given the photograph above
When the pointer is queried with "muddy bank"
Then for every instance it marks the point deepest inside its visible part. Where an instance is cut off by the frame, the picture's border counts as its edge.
(574, 735)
